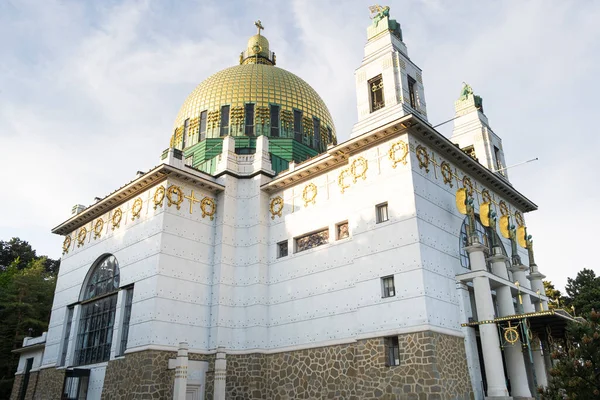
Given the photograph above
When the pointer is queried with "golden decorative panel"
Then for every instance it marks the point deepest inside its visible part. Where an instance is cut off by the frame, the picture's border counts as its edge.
(344, 174)
(174, 196)
(98, 226)
(398, 153)
(159, 196)
(423, 158)
(446, 173)
(467, 184)
(81, 235)
(209, 207)
(461, 197)
(276, 207)
(116, 218)
(66, 244)
(309, 194)
(359, 168)
(193, 200)
(136, 209)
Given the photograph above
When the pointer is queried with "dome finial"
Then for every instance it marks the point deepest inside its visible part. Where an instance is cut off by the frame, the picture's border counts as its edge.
(259, 26)
(257, 51)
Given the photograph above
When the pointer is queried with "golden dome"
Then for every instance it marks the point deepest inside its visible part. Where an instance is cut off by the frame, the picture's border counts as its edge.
(257, 44)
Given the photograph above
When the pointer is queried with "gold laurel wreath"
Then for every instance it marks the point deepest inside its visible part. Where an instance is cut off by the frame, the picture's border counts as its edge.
(276, 207)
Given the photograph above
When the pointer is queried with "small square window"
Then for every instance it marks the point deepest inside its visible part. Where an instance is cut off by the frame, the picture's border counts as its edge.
(382, 212)
(392, 351)
(282, 249)
(342, 230)
(387, 287)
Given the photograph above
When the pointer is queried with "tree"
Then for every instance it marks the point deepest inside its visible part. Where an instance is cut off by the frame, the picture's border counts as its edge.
(15, 250)
(583, 292)
(576, 371)
(553, 294)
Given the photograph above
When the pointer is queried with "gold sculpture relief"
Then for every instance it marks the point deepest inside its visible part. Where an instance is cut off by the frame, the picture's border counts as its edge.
(66, 244)
(423, 158)
(81, 235)
(461, 197)
(116, 218)
(447, 173)
(398, 153)
(504, 226)
(467, 184)
(159, 196)
(174, 196)
(503, 208)
(519, 218)
(358, 169)
(511, 335)
(98, 226)
(309, 194)
(136, 209)
(344, 174)
(485, 195)
(193, 200)
(484, 214)
(208, 207)
(276, 207)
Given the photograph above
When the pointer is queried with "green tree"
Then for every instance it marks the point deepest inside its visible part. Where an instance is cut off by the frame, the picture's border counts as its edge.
(583, 292)
(576, 371)
(15, 250)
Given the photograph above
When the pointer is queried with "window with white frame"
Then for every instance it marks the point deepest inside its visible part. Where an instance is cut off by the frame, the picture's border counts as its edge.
(126, 318)
(63, 356)
(387, 286)
(381, 211)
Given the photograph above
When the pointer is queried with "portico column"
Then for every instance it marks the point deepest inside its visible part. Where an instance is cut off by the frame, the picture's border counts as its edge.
(220, 374)
(490, 343)
(539, 361)
(515, 362)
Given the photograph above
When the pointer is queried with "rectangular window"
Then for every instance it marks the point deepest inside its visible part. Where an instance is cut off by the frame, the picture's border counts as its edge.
(329, 136)
(298, 125)
(312, 240)
(202, 134)
(382, 212)
(63, 357)
(342, 230)
(186, 131)
(249, 130)
(25, 382)
(126, 319)
(392, 351)
(387, 287)
(282, 249)
(274, 120)
(317, 130)
(189, 161)
(499, 165)
(94, 336)
(224, 120)
(75, 385)
(376, 91)
(412, 91)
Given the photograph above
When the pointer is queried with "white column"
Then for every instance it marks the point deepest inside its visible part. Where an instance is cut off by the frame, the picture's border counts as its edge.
(490, 343)
(220, 374)
(181, 371)
(515, 363)
(539, 361)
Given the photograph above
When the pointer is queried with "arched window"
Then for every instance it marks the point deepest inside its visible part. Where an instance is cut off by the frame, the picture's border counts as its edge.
(483, 234)
(98, 305)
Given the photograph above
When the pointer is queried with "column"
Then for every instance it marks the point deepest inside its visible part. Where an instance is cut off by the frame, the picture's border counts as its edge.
(181, 370)
(220, 374)
(515, 363)
(539, 362)
(490, 343)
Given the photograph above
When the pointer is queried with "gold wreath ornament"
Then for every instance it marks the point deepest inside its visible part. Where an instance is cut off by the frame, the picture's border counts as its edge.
(309, 194)
(98, 228)
(446, 173)
(136, 209)
(519, 218)
(208, 207)
(484, 214)
(503, 208)
(276, 207)
(423, 158)
(116, 218)
(174, 196)
(66, 244)
(398, 153)
(345, 173)
(467, 184)
(159, 196)
(485, 195)
(81, 235)
(461, 197)
(359, 168)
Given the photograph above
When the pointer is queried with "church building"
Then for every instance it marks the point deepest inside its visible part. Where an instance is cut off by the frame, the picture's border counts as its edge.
(263, 259)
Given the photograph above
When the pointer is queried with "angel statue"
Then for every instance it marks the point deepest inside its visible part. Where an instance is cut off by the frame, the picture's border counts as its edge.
(516, 259)
(380, 13)
(471, 232)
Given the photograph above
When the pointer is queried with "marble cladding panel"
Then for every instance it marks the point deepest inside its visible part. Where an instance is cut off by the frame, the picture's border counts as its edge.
(391, 313)
(444, 313)
(184, 291)
(184, 270)
(180, 312)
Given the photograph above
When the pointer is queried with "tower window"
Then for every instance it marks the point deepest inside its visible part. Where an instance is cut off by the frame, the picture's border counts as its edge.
(412, 91)
(317, 130)
(499, 165)
(376, 91)
(202, 125)
(274, 120)
(387, 287)
(224, 120)
(186, 131)
(282, 249)
(298, 125)
(392, 351)
(381, 211)
(249, 130)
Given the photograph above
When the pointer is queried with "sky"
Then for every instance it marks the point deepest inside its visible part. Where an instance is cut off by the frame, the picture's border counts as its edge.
(89, 91)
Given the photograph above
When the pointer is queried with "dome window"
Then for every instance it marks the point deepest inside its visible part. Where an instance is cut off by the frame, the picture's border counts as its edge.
(317, 131)
(202, 134)
(224, 120)
(249, 128)
(298, 125)
(274, 120)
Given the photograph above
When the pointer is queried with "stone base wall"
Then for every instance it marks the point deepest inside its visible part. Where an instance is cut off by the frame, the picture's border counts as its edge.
(49, 384)
(16, 387)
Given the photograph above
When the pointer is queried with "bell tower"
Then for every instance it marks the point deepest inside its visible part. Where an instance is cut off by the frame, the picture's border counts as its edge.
(388, 84)
(472, 132)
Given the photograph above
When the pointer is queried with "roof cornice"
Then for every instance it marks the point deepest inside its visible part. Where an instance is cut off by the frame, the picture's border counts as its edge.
(136, 186)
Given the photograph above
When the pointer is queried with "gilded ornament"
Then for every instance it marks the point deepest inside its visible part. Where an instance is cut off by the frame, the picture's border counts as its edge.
(66, 244)
(522, 236)
(446, 173)
(423, 158)
(174, 196)
(519, 218)
(461, 200)
(485, 195)
(116, 218)
(208, 207)
(81, 235)
(359, 168)
(136, 209)
(193, 200)
(484, 214)
(511, 335)
(503, 208)
(276, 207)
(467, 184)
(98, 226)
(345, 173)
(398, 153)
(504, 225)
(309, 193)
(159, 196)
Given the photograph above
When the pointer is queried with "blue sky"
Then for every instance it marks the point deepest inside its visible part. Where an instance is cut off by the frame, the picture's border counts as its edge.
(89, 92)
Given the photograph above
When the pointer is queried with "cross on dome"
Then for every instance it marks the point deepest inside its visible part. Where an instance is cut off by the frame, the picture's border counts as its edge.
(259, 26)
